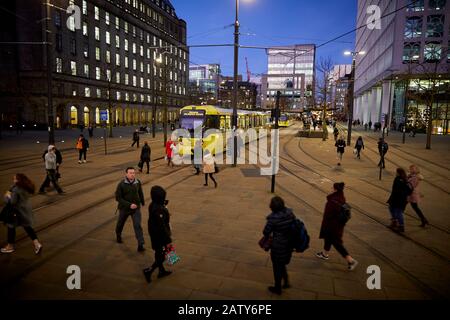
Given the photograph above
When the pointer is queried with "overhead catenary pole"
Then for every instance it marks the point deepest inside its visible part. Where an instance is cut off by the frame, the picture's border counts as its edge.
(235, 81)
(274, 147)
(50, 111)
(352, 93)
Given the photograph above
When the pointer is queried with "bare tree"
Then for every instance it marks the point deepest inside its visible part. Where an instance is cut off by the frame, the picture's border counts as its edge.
(323, 85)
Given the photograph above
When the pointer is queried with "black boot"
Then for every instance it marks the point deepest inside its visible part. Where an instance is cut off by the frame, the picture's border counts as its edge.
(163, 273)
(148, 274)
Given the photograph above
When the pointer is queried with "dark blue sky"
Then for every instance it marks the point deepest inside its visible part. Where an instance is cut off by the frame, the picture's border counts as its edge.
(266, 23)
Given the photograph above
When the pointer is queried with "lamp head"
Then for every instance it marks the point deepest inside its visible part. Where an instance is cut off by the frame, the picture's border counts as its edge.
(347, 53)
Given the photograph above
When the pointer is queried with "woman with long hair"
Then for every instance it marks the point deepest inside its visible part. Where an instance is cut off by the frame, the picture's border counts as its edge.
(332, 230)
(18, 197)
(398, 200)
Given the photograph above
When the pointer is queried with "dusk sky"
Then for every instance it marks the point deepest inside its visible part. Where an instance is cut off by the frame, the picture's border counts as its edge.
(266, 23)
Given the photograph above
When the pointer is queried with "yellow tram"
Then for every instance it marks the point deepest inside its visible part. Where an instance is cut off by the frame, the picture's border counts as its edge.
(217, 121)
(286, 120)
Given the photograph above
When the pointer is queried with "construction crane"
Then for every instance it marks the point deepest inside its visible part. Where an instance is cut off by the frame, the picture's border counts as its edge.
(248, 70)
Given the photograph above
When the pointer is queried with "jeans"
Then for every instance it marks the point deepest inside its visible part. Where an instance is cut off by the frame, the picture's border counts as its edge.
(337, 243)
(82, 152)
(12, 234)
(136, 217)
(51, 177)
(397, 214)
(419, 212)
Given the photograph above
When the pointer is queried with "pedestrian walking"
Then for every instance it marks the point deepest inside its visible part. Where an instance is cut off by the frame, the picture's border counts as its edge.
(365, 126)
(58, 163)
(18, 200)
(145, 157)
(370, 125)
(82, 147)
(332, 229)
(358, 146)
(135, 138)
(50, 167)
(335, 133)
(314, 124)
(209, 167)
(340, 145)
(278, 227)
(130, 197)
(169, 151)
(398, 200)
(382, 150)
(172, 126)
(91, 130)
(159, 231)
(414, 179)
(196, 156)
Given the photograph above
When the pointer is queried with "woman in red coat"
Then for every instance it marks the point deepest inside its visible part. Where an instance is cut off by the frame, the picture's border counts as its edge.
(332, 229)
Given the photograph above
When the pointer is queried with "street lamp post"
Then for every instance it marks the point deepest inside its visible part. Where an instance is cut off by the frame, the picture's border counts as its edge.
(235, 81)
(50, 116)
(163, 63)
(352, 91)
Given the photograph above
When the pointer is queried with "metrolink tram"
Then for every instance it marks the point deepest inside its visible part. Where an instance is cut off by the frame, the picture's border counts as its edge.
(206, 117)
(286, 120)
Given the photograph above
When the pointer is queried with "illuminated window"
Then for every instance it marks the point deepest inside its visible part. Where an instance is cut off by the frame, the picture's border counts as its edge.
(97, 33)
(97, 53)
(413, 27)
(59, 65)
(108, 37)
(97, 73)
(73, 68)
(437, 4)
(433, 51)
(96, 13)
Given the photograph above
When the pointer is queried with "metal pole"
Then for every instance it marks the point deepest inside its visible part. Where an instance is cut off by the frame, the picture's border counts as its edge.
(388, 119)
(293, 77)
(405, 107)
(277, 112)
(165, 101)
(350, 113)
(155, 101)
(50, 116)
(235, 81)
(110, 110)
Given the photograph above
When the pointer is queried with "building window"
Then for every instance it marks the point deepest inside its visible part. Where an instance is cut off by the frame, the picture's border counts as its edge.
(86, 71)
(134, 48)
(117, 77)
(99, 93)
(85, 29)
(126, 45)
(97, 73)
(97, 53)
(411, 52)
(86, 50)
(437, 4)
(126, 62)
(142, 67)
(87, 92)
(117, 42)
(108, 74)
(126, 79)
(97, 33)
(125, 26)
(108, 56)
(117, 23)
(58, 40)
(107, 18)
(73, 68)
(117, 59)
(142, 82)
(59, 65)
(58, 19)
(85, 12)
(96, 13)
(415, 5)
(134, 81)
(435, 26)
(73, 46)
(148, 83)
(127, 96)
(141, 51)
(118, 95)
(134, 64)
(433, 51)
(108, 37)
(413, 27)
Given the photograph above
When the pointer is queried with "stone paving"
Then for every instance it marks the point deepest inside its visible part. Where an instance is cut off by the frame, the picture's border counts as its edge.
(216, 231)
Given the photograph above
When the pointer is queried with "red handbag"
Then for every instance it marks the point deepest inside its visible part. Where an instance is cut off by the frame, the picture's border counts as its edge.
(265, 243)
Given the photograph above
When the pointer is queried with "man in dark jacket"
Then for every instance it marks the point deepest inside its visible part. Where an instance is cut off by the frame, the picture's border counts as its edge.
(382, 150)
(136, 138)
(398, 200)
(129, 196)
(278, 225)
(340, 145)
(159, 231)
(58, 163)
(145, 157)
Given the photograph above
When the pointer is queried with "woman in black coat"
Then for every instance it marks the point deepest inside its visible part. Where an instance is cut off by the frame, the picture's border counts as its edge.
(145, 157)
(332, 230)
(159, 230)
(278, 226)
(398, 200)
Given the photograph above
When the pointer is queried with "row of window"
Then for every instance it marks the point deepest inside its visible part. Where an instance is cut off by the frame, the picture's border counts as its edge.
(419, 5)
(433, 52)
(434, 27)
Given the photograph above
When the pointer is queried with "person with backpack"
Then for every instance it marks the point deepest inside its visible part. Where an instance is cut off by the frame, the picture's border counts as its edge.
(82, 147)
(382, 150)
(340, 145)
(335, 133)
(398, 200)
(159, 231)
(278, 227)
(358, 146)
(414, 179)
(145, 157)
(129, 196)
(332, 228)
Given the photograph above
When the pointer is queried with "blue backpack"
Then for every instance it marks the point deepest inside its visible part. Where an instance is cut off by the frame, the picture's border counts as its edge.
(298, 236)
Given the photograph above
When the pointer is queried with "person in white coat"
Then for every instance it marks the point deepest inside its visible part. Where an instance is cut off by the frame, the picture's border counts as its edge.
(209, 167)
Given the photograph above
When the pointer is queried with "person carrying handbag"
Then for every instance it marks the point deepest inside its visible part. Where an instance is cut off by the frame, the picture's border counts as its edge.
(209, 167)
